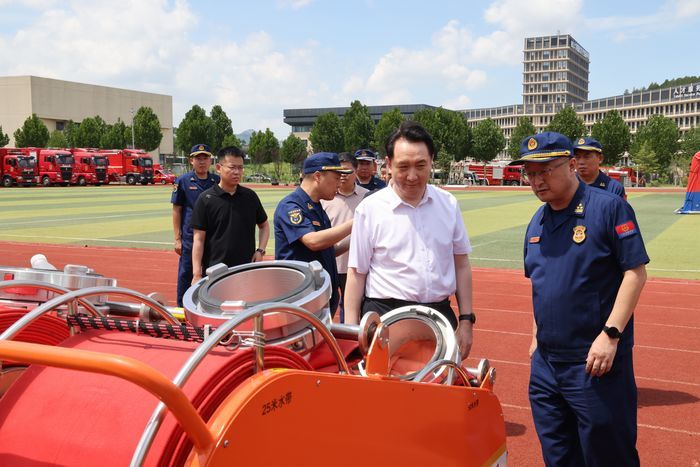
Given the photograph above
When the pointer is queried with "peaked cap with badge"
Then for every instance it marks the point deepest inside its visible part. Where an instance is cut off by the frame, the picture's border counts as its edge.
(544, 147)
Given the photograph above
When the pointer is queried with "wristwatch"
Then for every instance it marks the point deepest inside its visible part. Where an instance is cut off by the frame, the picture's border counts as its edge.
(468, 317)
(261, 251)
(612, 332)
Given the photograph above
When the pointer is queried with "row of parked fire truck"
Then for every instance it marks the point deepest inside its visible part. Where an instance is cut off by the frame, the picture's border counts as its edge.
(79, 166)
(465, 173)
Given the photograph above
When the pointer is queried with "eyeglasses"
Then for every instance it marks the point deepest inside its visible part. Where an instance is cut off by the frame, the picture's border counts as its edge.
(543, 173)
(233, 167)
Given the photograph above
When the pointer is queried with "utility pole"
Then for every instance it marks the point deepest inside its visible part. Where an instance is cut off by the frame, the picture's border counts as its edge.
(133, 145)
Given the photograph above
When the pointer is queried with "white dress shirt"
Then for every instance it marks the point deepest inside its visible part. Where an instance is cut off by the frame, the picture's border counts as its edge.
(408, 252)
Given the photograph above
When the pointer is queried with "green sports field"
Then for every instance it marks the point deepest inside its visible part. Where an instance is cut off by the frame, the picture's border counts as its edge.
(140, 217)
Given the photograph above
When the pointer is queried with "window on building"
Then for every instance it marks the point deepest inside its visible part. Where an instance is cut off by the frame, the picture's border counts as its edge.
(60, 126)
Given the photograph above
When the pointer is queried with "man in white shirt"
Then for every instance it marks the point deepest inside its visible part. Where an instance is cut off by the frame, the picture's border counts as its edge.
(409, 244)
(341, 209)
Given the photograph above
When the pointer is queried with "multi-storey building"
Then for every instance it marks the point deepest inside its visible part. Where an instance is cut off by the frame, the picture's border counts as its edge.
(56, 102)
(555, 75)
(555, 71)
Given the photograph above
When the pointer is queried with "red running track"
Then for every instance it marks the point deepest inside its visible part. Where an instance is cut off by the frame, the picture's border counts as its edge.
(667, 351)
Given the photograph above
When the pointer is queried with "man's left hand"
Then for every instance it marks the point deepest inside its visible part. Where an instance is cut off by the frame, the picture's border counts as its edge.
(601, 355)
(257, 257)
(464, 338)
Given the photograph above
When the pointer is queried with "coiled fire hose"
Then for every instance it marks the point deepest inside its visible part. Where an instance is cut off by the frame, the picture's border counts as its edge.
(88, 419)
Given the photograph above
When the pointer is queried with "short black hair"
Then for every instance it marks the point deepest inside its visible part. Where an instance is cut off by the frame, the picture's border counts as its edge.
(229, 151)
(412, 131)
(348, 157)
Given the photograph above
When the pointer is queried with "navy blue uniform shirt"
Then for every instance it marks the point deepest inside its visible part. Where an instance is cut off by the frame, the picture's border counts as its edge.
(608, 184)
(187, 189)
(373, 184)
(295, 216)
(575, 259)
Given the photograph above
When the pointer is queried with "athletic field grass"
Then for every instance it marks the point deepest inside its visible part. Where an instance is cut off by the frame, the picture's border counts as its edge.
(140, 217)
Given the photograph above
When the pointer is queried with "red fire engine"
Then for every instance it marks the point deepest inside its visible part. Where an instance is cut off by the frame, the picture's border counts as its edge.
(129, 165)
(16, 168)
(90, 167)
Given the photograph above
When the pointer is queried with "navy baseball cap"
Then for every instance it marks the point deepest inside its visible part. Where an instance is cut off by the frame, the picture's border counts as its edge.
(588, 144)
(544, 147)
(365, 155)
(324, 161)
(200, 149)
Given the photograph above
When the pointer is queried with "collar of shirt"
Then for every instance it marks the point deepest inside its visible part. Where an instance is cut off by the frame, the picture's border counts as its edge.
(220, 192)
(354, 192)
(395, 200)
(601, 180)
(576, 207)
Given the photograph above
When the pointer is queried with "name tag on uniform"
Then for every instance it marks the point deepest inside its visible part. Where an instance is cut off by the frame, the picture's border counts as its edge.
(316, 223)
(534, 240)
(193, 187)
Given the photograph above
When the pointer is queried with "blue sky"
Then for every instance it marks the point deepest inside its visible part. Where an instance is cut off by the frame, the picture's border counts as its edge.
(257, 58)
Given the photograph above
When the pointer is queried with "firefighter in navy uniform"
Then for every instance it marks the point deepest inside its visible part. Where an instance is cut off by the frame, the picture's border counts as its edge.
(366, 165)
(589, 155)
(585, 257)
(303, 231)
(187, 189)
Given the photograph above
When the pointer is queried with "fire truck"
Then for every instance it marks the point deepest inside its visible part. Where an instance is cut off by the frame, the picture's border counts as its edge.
(625, 175)
(129, 165)
(486, 174)
(54, 165)
(16, 168)
(90, 167)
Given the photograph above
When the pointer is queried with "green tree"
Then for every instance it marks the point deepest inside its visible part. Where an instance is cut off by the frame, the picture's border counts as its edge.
(661, 134)
(293, 150)
(522, 130)
(222, 128)
(231, 140)
(57, 140)
(89, 132)
(388, 123)
(644, 156)
(4, 138)
(358, 127)
(147, 133)
(690, 143)
(115, 136)
(568, 124)
(33, 133)
(613, 134)
(327, 134)
(449, 130)
(264, 147)
(70, 130)
(488, 140)
(195, 128)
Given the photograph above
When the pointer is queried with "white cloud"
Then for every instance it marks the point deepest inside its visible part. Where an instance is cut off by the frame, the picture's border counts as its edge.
(294, 4)
(402, 76)
(117, 44)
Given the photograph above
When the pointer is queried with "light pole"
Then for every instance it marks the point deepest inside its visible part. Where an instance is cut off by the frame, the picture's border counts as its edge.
(133, 145)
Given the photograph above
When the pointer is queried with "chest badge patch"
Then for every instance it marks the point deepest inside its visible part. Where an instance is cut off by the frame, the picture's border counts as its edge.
(295, 216)
(579, 234)
(579, 210)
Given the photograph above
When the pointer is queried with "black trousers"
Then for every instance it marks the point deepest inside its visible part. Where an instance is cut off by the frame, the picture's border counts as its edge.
(385, 305)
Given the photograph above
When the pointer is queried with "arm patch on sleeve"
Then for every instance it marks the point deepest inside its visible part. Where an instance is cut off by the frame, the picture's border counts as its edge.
(625, 230)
